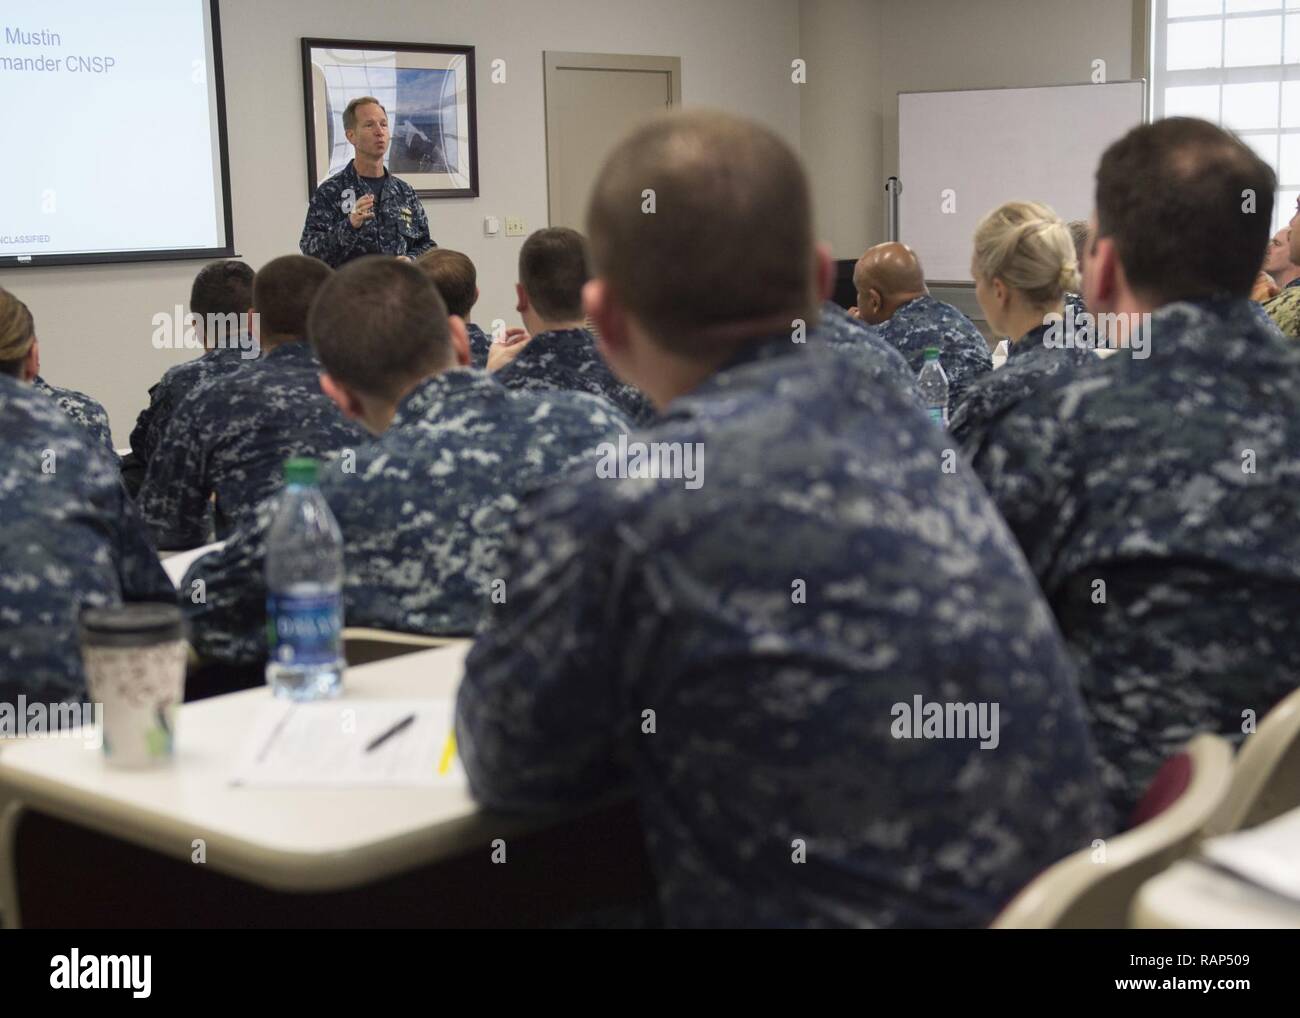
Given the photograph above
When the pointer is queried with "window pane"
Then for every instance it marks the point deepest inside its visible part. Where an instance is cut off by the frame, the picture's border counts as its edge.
(1250, 42)
(1241, 6)
(1292, 54)
(1193, 101)
(352, 77)
(1291, 102)
(1289, 171)
(1248, 106)
(1194, 44)
(1284, 209)
(1191, 8)
(1265, 145)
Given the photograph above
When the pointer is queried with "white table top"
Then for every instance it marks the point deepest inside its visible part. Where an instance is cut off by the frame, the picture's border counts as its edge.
(1192, 895)
(290, 839)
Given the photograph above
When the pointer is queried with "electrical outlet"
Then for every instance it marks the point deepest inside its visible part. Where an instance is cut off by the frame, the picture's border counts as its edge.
(515, 227)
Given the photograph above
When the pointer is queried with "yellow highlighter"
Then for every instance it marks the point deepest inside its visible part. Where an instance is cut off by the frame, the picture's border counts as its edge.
(448, 753)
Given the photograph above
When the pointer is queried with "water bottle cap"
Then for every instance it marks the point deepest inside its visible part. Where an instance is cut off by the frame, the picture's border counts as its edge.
(300, 470)
(932, 353)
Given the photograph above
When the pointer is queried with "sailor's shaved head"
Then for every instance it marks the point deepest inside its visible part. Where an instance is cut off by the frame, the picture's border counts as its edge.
(886, 277)
(728, 240)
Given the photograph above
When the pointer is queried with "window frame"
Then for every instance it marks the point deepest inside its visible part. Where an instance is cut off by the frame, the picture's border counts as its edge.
(1161, 78)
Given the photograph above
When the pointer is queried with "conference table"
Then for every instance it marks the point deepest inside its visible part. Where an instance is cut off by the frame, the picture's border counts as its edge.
(86, 845)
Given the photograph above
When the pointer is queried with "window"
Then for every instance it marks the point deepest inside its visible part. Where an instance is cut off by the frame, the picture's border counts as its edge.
(1235, 63)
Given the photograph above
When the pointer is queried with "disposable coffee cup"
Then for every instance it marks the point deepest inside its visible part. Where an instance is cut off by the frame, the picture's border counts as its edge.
(134, 658)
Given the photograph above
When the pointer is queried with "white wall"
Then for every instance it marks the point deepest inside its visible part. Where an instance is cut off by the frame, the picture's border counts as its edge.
(94, 321)
(841, 116)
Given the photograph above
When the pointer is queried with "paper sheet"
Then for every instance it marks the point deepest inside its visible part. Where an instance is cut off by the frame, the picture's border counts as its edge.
(325, 744)
(176, 563)
(1267, 855)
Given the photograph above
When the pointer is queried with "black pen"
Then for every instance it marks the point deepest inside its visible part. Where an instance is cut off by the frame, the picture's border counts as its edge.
(379, 740)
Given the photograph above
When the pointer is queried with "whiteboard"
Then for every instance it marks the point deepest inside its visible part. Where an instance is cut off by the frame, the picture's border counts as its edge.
(997, 145)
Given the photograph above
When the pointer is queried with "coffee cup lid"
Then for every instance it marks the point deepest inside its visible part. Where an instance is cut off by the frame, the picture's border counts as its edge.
(132, 624)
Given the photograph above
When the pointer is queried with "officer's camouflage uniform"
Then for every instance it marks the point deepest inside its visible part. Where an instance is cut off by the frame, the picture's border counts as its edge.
(734, 653)
(422, 511)
(928, 322)
(71, 540)
(1284, 309)
(175, 385)
(400, 226)
(231, 437)
(85, 410)
(567, 360)
(1157, 499)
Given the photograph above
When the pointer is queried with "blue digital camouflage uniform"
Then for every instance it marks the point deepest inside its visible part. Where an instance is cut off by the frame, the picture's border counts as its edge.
(422, 510)
(1284, 309)
(85, 410)
(775, 620)
(230, 438)
(926, 322)
(864, 344)
(71, 540)
(176, 383)
(567, 359)
(1030, 366)
(400, 226)
(1157, 499)
(1074, 304)
(480, 345)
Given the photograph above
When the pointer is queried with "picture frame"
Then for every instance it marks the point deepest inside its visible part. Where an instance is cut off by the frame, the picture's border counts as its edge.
(428, 91)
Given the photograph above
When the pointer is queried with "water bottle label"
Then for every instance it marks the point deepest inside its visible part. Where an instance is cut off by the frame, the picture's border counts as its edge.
(304, 630)
(939, 414)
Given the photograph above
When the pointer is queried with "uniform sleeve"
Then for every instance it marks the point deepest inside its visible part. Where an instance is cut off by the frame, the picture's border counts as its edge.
(223, 595)
(139, 570)
(421, 242)
(173, 499)
(480, 347)
(98, 424)
(1025, 468)
(535, 717)
(140, 441)
(327, 234)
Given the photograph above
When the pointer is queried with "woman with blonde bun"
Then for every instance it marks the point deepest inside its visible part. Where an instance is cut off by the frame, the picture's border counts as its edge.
(72, 538)
(1024, 266)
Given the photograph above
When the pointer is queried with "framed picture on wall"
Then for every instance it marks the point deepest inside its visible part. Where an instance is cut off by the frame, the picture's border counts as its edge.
(428, 93)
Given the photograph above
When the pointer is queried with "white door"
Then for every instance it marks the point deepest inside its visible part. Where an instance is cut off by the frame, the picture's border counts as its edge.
(592, 101)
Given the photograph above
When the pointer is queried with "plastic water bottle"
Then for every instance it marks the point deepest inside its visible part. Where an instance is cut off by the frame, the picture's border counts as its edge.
(304, 591)
(933, 384)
